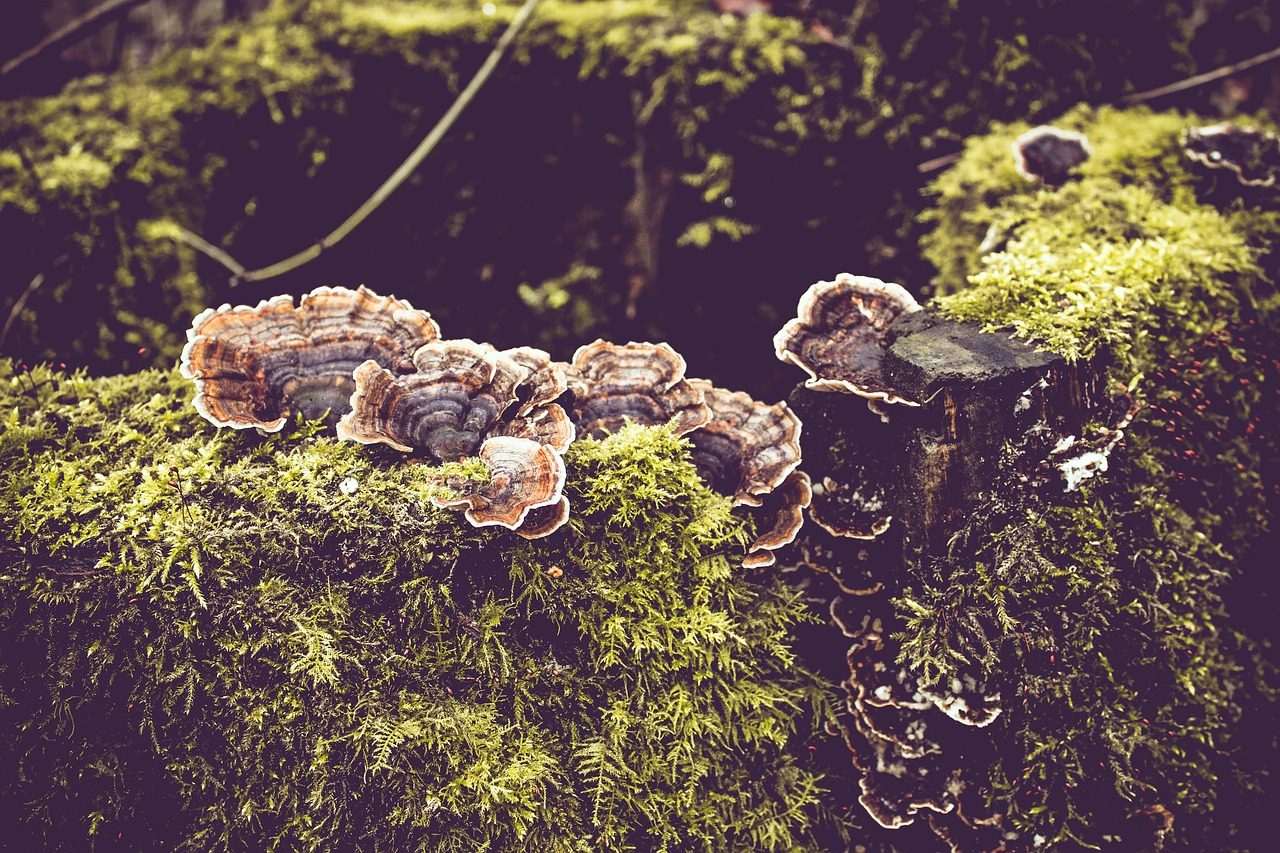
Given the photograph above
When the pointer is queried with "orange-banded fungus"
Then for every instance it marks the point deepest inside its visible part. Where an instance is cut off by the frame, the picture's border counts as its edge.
(255, 367)
(462, 393)
(1253, 154)
(523, 476)
(545, 520)
(543, 381)
(840, 335)
(640, 382)
(747, 448)
(1048, 154)
(779, 519)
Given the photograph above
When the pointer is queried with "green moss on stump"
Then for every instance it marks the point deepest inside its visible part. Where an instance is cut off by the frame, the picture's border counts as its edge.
(1129, 623)
(206, 643)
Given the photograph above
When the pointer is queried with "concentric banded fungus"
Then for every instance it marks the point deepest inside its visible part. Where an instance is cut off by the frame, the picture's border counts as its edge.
(840, 335)
(897, 740)
(1048, 154)
(747, 448)
(523, 476)
(543, 381)
(545, 520)
(257, 367)
(779, 519)
(1253, 154)
(448, 407)
(641, 382)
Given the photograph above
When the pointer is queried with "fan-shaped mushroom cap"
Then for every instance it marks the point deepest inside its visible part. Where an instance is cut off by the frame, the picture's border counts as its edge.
(1048, 153)
(780, 519)
(256, 367)
(642, 382)
(544, 380)
(544, 520)
(1253, 154)
(840, 335)
(523, 475)
(747, 448)
(459, 396)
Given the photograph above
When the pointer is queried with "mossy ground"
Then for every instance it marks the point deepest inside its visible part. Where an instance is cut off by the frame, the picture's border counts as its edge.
(208, 644)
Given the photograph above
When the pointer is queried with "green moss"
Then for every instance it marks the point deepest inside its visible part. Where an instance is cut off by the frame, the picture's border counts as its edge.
(207, 644)
(1116, 618)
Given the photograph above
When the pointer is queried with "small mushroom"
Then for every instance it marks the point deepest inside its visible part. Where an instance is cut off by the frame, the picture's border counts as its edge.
(256, 367)
(747, 448)
(1048, 154)
(544, 380)
(1253, 154)
(523, 476)
(640, 382)
(779, 519)
(840, 335)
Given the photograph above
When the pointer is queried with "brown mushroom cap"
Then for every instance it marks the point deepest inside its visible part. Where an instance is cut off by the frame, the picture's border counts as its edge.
(779, 519)
(747, 448)
(545, 520)
(840, 335)
(1253, 154)
(641, 382)
(459, 396)
(523, 475)
(544, 380)
(1048, 153)
(255, 367)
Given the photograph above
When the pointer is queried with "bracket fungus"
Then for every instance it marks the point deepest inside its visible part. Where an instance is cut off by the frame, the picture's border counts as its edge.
(461, 393)
(255, 367)
(1048, 154)
(840, 336)
(902, 747)
(779, 519)
(1253, 154)
(641, 382)
(746, 449)
(857, 511)
(523, 476)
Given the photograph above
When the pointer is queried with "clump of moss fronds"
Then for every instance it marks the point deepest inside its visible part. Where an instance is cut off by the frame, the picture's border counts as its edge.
(1126, 621)
(210, 640)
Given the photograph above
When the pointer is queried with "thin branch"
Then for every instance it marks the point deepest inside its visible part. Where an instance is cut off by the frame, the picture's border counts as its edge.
(1201, 79)
(75, 30)
(19, 305)
(406, 168)
(197, 242)
(1141, 97)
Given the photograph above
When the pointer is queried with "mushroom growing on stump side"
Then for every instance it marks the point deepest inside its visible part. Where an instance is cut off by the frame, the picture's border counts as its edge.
(1048, 154)
(523, 476)
(257, 367)
(841, 334)
(1253, 154)
(779, 519)
(856, 510)
(462, 393)
(641, 382)
(906, 752)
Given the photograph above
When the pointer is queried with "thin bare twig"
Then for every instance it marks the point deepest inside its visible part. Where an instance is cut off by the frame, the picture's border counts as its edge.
(18, 306)
(75, 30)
(197, 242)
(392, 183)
(1141, 97)
(1201, 79)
